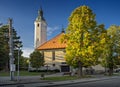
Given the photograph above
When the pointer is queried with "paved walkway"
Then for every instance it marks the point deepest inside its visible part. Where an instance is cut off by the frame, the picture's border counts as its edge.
(25, 79)
(41, 83)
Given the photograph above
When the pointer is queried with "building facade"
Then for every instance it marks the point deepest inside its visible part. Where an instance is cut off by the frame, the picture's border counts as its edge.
(54, 52)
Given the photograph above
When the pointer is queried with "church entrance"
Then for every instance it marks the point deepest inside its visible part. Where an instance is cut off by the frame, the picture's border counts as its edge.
(65, 68)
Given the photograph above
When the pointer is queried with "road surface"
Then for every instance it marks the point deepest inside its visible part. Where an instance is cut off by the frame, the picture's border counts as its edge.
(102, 83)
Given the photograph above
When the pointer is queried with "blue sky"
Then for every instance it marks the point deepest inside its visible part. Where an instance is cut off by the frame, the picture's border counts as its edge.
(56, 13)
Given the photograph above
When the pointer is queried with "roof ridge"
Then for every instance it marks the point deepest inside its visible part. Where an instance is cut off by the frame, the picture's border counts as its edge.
(50, 40)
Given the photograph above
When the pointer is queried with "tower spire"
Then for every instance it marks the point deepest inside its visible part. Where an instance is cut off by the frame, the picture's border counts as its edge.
(40, 15)
(40, 12)
(63, 31)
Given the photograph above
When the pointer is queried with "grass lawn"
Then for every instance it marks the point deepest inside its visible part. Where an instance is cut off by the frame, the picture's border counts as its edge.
(63, 78)
(24, 73)
(114, 74)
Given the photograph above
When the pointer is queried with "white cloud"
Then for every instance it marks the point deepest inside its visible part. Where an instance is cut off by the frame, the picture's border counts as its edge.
(27, 51)
(51, 30)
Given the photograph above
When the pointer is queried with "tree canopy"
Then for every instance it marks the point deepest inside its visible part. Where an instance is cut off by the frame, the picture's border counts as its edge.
(4, 46)
(83, 38)
(111, 52)
(36, 59)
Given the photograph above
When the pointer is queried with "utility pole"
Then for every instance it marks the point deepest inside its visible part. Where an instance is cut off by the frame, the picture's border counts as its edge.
(11, 52)
(18, 73)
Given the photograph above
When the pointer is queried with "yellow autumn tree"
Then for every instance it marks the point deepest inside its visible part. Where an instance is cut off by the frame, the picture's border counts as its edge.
(83, 37)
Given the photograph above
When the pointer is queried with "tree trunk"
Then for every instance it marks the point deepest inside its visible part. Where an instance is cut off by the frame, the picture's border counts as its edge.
(7, 69)
(6, 66)
(110, 71)
(36, 69)
(80, 69)
(111, 64)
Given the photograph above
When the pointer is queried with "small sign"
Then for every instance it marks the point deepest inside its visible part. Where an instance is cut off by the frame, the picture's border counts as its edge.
(12, 67)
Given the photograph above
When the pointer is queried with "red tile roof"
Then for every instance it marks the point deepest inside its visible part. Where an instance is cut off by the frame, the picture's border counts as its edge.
(54, 43)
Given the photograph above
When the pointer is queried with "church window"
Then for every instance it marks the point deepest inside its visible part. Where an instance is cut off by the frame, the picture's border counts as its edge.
(37, 25)
(64, 51)
(63, 63)
(42, 54)
(53, 64)
(37, 39)
(53, 55)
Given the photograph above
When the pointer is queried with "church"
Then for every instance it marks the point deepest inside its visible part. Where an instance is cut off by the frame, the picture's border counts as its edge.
(53, 50)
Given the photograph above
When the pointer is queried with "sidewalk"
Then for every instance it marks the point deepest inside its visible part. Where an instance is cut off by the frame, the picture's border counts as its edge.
(22, 80)
(25, 79)
(41, 83)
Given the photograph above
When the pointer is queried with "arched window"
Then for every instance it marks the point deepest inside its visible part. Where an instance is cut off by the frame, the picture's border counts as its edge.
(37, 25)
(53, 55)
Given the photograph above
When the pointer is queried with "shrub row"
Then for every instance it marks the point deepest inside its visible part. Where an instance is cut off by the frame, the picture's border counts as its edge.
(55, 70)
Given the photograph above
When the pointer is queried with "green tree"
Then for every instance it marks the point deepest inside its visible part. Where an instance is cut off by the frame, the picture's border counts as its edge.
(24, 63)
(4, 46)
(36, 59)
(111, 53)
(83, 37)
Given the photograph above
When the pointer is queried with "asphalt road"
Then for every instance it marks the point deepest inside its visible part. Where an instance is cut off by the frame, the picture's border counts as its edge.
(113, 82)
(102, 83)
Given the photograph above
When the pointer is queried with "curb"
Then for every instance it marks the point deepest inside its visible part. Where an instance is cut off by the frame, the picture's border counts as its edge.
(18, 83)
(74, 82)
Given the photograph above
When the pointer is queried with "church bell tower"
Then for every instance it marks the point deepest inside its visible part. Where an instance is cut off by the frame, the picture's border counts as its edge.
(40, 31)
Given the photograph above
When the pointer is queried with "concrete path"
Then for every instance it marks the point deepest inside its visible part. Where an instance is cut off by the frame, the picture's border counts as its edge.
(25, 79)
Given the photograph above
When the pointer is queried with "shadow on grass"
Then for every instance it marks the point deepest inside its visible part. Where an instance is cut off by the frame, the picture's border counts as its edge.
(64, 78)
(25, 73)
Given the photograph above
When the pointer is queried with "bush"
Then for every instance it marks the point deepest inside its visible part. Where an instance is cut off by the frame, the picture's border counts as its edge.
(55, 70)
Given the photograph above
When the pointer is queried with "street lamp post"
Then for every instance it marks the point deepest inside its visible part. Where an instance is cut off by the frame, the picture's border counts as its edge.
(18, 73)
(18, 70)
(11, 62)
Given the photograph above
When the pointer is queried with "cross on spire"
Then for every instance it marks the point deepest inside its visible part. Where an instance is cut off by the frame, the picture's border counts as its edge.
(63, 31)
(40, 12)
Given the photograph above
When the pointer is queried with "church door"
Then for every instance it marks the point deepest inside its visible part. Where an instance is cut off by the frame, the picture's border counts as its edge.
(65, 68)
